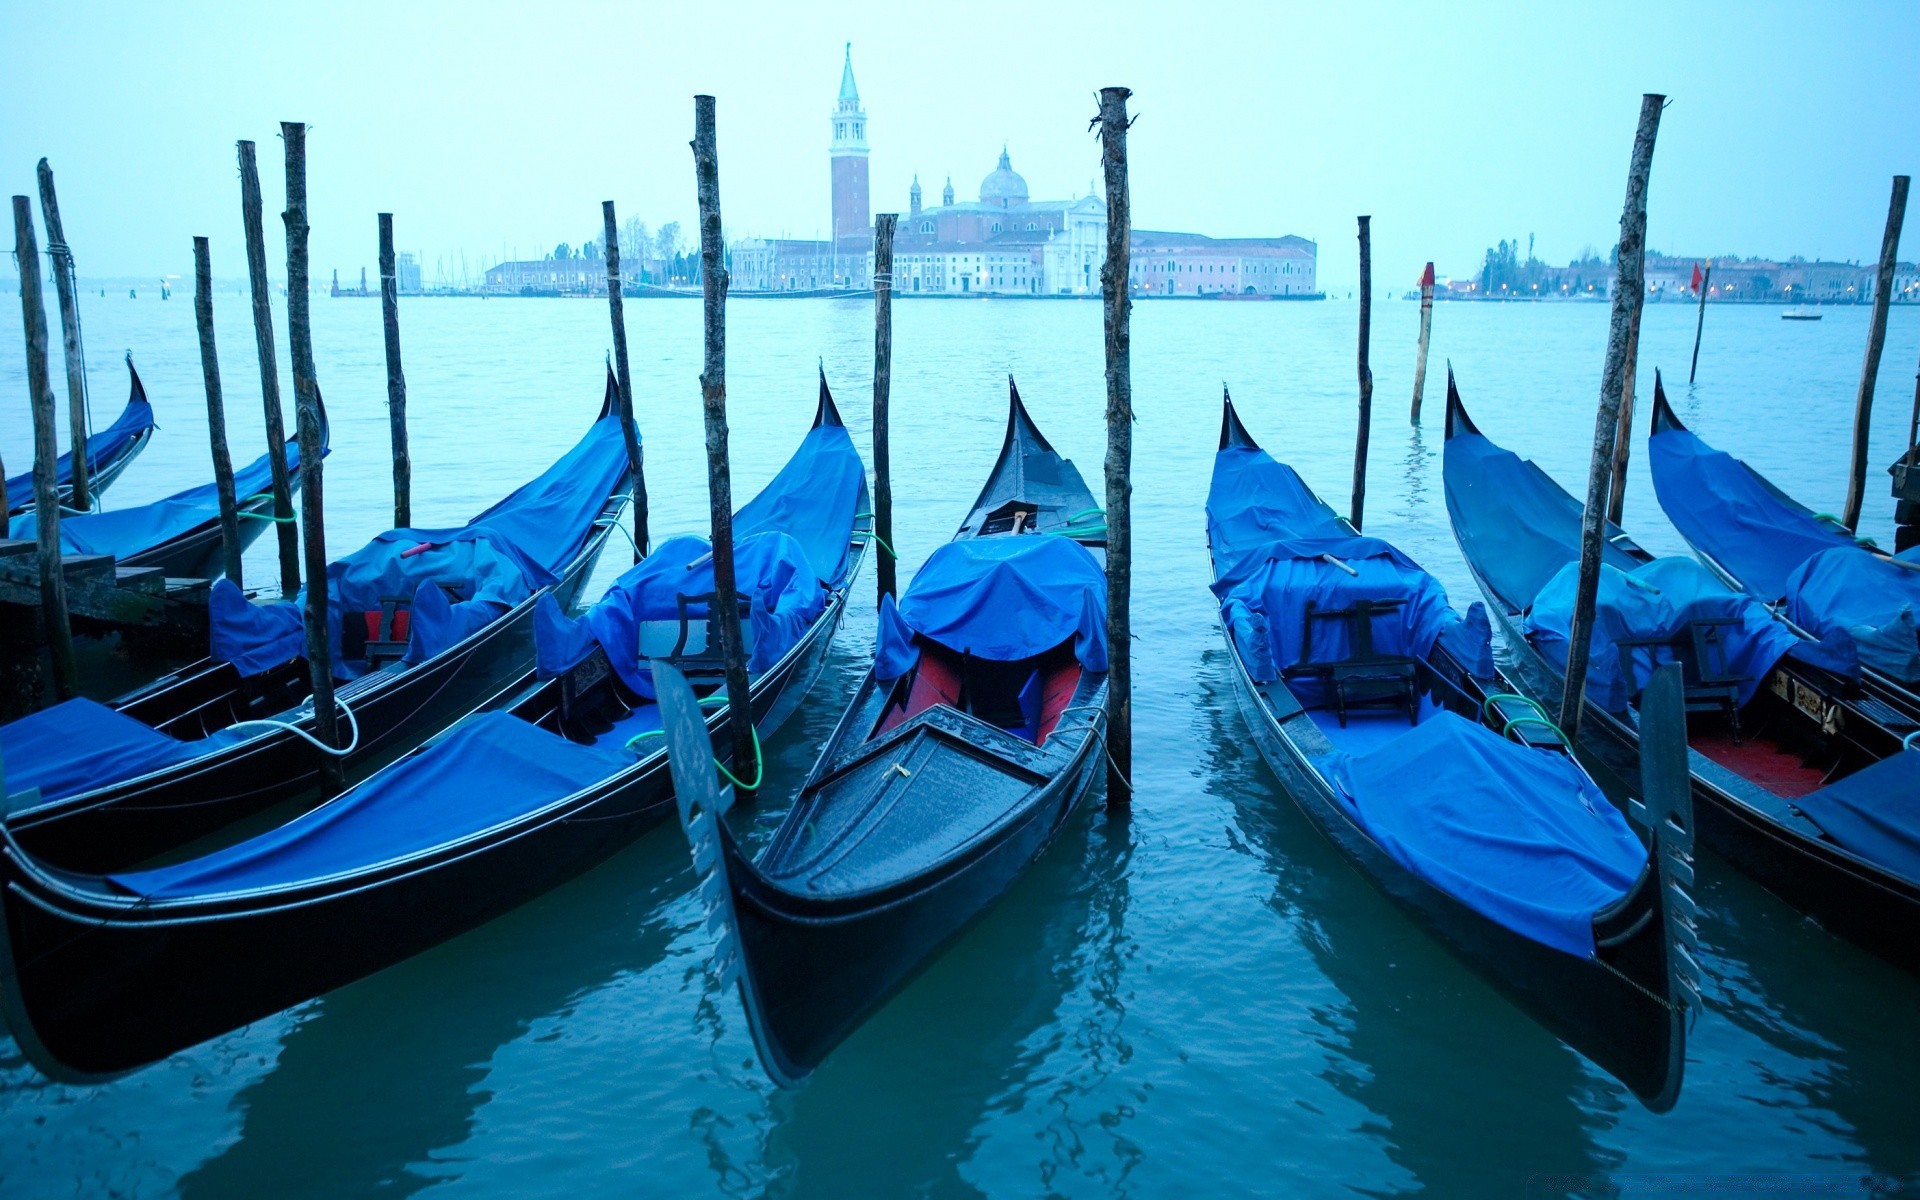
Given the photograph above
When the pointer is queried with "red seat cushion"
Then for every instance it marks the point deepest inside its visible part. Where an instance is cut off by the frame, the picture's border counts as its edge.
(936, 680)
(1058, 686)
(401, 623)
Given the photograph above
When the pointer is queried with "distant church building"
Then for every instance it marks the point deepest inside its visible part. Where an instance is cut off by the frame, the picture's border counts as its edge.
(1005, 243)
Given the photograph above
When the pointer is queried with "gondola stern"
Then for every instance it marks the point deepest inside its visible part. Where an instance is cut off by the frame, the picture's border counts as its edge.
(827, 414)
(1664, 418)
(1233, 434)
(1458, 422)
(1666, 811)
(136, 390)
(16, 884)
(1020, 426)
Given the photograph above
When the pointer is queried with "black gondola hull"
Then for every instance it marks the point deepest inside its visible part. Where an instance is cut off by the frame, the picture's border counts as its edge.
(200, 553)
(1849, 896)
(1628, 1030)
(114, 827)
(817, 969)
(100, 985)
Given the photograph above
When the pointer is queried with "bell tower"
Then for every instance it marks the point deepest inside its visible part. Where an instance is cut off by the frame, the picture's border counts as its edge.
(852, 209)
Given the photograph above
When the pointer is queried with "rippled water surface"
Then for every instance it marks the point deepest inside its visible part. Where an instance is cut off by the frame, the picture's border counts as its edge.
(1203, 999)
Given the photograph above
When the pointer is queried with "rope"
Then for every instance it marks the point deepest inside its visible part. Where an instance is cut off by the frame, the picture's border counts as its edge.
(1906, 743)
(1097, 732)
(1486, 709)
(352, 743)
(1524, 719)
(883, 544)
(1085, 512)
(759, 767)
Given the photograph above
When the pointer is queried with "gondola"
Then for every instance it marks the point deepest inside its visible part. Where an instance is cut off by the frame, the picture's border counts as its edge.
(1807, 566)
(964, 751)
(1795, 781)
(104, 973)
(108, 453)
(431, 624)
(180, 534)
(1381, 710)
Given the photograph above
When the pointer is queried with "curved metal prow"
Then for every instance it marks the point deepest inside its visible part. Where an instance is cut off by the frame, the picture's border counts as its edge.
(137, 391)
(1233, 435)
(610, 403)
(1020, 426)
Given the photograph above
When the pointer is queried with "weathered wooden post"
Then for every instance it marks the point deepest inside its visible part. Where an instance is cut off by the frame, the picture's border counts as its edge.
(883, 227)
(636, 460)
(396, 380)
(1623, 431)
(283, 524)
(216, 410)
(1426, 329)
(306, 408)
(1629, 293)
(75, 357)
(1876, 338)
(1700, 320)
(46, 450)
(1366, 373)
(1118, 305)
(713, 395)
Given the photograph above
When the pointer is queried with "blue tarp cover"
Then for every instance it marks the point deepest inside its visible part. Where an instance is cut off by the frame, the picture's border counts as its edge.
(1661, 600)
(1517, 526)
(492, 563)
(1519, 835)
(136, 418)
(1875, 812)
(770, 567)
(999, 598)
(125, 532)
(1727, 511)
(1852, 590)
(80, 745)
(491, 768)
(813, 499)
(1271, 536)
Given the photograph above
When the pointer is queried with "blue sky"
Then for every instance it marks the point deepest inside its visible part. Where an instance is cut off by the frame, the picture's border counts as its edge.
(493, 127)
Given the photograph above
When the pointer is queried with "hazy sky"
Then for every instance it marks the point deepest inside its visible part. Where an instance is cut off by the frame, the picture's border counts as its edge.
(487, 127)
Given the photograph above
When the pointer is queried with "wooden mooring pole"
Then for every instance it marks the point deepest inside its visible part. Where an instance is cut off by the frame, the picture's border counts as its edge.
(1700, 320)
(1365, 433)
(74, 355)
(629, 431)
(306, 408)
(283, 523)
(1118, 305)
(46, 450)
(883, 227)
(396, 380)
(1623, 429)
(1629, 293)
(216, 410)
(1876, 339)
(1426, 329)
(713, 396)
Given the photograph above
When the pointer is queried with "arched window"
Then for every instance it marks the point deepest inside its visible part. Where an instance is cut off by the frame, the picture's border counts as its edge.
(996, 227)
(926, 227)
(1030, 226)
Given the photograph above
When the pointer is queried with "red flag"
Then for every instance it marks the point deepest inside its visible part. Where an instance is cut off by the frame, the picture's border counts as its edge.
(1426, 278)
(1695, 285)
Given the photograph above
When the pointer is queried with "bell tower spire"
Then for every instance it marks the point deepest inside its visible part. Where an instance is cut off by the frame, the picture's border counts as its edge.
(852, 207)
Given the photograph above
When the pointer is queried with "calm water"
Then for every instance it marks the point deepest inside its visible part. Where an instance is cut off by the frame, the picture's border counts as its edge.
(1202, 1000)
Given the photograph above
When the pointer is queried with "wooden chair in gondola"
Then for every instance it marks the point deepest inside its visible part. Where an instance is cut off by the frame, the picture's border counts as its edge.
(1709, 684)
(706, 666)
(1366, 678)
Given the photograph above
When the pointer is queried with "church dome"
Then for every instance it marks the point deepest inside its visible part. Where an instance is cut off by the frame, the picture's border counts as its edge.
(1004, 187)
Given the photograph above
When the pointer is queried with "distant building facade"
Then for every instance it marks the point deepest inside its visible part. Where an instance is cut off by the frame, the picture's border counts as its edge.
(1004, 243)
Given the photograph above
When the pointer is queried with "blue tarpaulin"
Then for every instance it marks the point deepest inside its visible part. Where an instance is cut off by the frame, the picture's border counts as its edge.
(770, 568)
(1874, 812)
(1517, 526)
(79, 745)
(1729, 512)
(1661, 600)
(488, 565)
(1519, 835)
(1272, 539)
(999, 598)
(491, 768)
(814, 500)
(125, 532)
(1852, 590)
(135, 419)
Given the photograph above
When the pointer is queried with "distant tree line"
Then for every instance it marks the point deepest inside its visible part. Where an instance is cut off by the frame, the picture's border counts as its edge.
(661, 256)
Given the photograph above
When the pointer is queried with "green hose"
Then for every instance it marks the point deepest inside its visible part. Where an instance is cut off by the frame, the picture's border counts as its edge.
(759, 767)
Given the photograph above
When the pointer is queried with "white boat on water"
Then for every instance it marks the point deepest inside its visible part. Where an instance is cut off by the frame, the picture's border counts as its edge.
(1802, 312)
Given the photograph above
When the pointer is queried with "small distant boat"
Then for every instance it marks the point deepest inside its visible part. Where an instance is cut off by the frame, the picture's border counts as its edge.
(1802, 312)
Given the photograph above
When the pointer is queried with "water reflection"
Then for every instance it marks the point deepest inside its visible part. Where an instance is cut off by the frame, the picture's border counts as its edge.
(903, 1105)
(381, 1081)
(1441, 1059)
